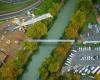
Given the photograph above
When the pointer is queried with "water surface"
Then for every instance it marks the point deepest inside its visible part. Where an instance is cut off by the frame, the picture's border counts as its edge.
(31, 72)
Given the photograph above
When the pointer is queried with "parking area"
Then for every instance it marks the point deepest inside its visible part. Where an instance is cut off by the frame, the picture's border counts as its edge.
(92, 33)
(87, 56)
(83, 60)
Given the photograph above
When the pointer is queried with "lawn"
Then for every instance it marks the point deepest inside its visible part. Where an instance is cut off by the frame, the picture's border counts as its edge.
(5, 7)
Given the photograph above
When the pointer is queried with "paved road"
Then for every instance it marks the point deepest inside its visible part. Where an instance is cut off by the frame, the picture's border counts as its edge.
(86, 78)
(20, 12)
(92, 34)
(87, 58)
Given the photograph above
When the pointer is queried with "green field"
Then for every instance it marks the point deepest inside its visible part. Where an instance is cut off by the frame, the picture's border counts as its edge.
(7, 7)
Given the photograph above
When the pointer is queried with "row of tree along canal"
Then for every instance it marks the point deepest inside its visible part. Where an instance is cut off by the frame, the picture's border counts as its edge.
(45, 49)
(51, 67)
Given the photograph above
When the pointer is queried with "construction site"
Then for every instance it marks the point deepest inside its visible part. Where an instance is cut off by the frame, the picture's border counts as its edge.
(9, 41)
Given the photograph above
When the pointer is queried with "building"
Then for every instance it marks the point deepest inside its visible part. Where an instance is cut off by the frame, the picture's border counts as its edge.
(98, 19)
(13, 1)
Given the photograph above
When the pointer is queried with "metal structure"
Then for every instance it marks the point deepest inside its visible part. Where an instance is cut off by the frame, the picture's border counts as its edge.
(50, 40)
(31, 21)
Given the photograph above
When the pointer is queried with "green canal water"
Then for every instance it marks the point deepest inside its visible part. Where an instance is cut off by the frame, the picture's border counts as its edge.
(31, 72)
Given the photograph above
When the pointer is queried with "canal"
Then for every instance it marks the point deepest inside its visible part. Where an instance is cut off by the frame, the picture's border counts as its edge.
(31, 72)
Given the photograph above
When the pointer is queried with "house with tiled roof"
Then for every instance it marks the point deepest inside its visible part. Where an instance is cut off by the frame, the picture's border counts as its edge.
(98, 19)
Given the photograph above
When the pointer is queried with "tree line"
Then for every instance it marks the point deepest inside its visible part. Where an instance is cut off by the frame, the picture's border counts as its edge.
(14, 67)
(51, 67)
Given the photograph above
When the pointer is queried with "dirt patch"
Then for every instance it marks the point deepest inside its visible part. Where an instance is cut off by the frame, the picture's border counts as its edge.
(9, 40)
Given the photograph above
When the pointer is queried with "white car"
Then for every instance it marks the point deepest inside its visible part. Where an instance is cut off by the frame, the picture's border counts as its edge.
(71, 56)
(86, 70)
(82, 69)
(69, 62)
(74, 50)
(79, 49)
(89, 48)
(66, 64)
(89, 57)
(92, 68)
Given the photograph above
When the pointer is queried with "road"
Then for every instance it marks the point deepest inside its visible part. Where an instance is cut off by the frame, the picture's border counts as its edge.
(20, 12)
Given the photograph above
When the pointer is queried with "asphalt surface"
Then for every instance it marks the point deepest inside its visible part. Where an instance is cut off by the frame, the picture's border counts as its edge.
(86, 78)
(20, 12)
(92, 34)
(92, 61)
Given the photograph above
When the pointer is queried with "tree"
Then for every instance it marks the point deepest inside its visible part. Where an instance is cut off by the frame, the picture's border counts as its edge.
(85, 6)
(77, 23)
(55, 9)
(68, 76)
(43, 70)
(78, 19)
(71, 76)
(53, 67)
(29, 45)
(76, 77)
(10, 71)
(50, 78)
(44, 7)
(97, 76)
(71, 33)
(47, 21)
(37, 30)
(62, 49)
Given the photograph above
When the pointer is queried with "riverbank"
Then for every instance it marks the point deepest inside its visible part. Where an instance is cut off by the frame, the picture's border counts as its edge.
(51, 67)
(16, 64)
(45, 48)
